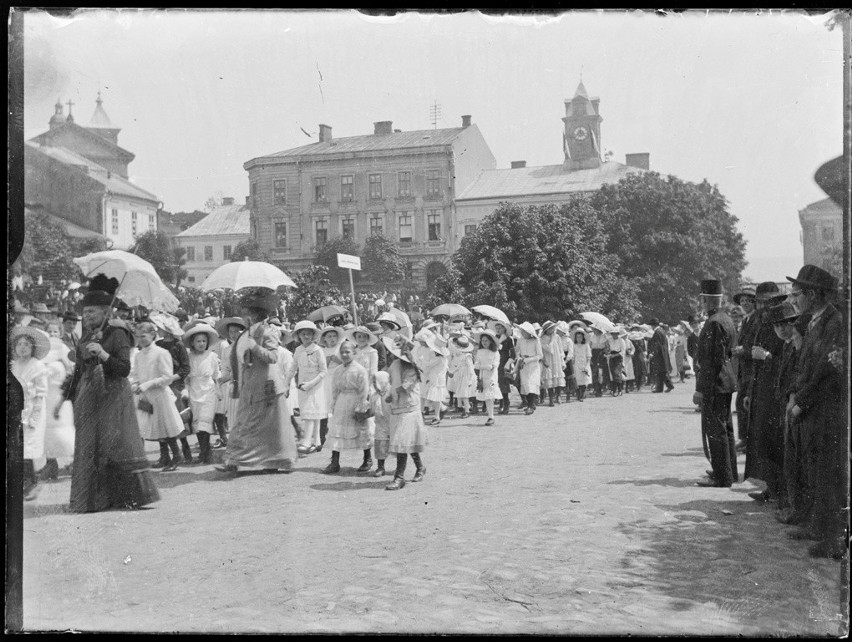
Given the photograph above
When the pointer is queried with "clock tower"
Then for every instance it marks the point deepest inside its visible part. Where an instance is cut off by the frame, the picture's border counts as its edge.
(582, 131)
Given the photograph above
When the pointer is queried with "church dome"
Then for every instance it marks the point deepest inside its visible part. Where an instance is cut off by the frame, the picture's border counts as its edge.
(99, 119)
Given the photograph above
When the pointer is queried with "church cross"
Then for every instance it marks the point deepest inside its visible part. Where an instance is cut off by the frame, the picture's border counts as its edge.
(70, 104)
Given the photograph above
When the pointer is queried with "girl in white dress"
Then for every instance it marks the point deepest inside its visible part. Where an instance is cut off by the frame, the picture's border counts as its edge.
(330, 339)
(463, 372)
(202, 384)
(29, 345)
(488, 368)
(529, 356)
(150, 376)
(59, 431)
(379, 391)
(433, 366)
(309, 369)
(582, 362)
(229, 329)
(363, 340)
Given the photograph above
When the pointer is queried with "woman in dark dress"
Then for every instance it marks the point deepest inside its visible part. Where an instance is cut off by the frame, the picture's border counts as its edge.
(507, 353)
(110, 467)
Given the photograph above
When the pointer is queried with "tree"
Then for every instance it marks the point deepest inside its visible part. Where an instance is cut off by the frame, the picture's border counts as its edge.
(249, 249)
(327, 256)
(155, 247)
(213, 202)
(313, 290)
(537, 262)
(381, 261)
(670, 234)
(47, 250)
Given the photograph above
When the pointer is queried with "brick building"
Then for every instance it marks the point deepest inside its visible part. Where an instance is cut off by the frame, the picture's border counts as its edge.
(822, 233)
(400, 184)
(79, 176)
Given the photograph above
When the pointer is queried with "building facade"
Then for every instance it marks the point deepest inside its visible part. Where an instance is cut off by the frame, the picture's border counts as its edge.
(822, 234)
(582, 171)
(79, 175)
(210, 242)
(399, 184)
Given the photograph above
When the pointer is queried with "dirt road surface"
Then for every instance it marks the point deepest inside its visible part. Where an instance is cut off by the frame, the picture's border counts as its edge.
(582, 519)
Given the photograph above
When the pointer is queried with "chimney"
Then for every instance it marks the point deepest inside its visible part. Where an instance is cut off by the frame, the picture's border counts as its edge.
(227, 200)
(466, 120)
(642, 161)
(324, 133)
(518, 164)
(383, 127)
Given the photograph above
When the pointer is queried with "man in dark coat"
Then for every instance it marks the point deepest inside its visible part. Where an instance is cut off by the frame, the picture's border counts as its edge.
(715, 385)
(658, 351)
(817, 404)
(180, 367)
(745, 298)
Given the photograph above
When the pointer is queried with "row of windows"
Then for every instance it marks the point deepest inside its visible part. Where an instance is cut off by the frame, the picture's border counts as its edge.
(827, 231)
(376, 189)
(134, 222)
(208, 253)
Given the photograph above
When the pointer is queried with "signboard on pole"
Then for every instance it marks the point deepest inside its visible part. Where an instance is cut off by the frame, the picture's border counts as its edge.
(348, 261)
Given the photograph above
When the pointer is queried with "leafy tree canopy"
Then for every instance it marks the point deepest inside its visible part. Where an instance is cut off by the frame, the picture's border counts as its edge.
(669, 235)
(249, 249)
(313, 290)
(155, 247)
(47, 250)
(327, 257)
(381, 261)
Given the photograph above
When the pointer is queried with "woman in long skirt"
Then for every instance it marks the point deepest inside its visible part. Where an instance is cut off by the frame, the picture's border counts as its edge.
(507, 363)
(110, 468)
(350, 390)
(30, 345)
(330, 339)
(59, 431)
(528, 349)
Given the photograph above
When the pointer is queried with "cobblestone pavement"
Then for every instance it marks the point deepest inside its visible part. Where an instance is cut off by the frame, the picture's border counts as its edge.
(582, 519)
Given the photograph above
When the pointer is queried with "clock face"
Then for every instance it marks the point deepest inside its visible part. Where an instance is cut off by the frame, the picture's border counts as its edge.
(580, 133)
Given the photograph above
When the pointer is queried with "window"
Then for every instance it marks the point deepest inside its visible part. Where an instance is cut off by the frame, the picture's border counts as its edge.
(376, 226)
(433, 220)
(404, 182)
(828, 233)
(191, 279)
(469, 229)
(208, 252)
(321, 229)
(254, 193)
(133, 223)
(115, 221)
(279, 191)
(320, 195)
(151, 225)
(347, 227)
(226, 252)
(433, 183)
(406, 232)
(346, 188)
(375, 186)
(280, 234)
(190, 253)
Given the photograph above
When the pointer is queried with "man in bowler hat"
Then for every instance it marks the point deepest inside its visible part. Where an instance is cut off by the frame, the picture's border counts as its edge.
(817, 402)
(715, 385)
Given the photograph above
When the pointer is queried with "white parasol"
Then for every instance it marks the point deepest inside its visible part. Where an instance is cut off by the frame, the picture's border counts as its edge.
(403, 320)
(246, 274)
(139, 283)
(492, 313)
(598, 321)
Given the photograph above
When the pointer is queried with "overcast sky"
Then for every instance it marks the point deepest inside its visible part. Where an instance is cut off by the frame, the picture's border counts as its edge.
(752, 103)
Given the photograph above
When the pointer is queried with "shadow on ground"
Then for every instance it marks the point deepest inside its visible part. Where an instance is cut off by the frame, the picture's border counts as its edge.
(664, 481)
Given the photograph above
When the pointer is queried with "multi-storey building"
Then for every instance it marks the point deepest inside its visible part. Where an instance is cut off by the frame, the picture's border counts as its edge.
(210, 242)
(78, 175)
(399, 184)
(822, 234)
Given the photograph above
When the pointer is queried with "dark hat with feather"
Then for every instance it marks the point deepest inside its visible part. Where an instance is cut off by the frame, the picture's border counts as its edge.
(101, 290)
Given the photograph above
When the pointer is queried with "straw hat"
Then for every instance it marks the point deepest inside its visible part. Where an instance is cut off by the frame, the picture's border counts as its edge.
(390, 345)
(201, 328)
(332, 329)
(306, 325)
(362, 329)
(462, 344)
(435, 342)
(579, 330)
(390, 319)
(477, 336)
(166, 322)
(40, 340)
(223, 325)
(527, 327)
(547, 326)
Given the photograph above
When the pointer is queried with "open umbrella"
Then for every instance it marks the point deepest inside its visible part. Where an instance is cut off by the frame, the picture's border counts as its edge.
(405, 322)
(139, 283)
(598, 321)
(491, 312)
(246, 274)
(449, 310)
(326, 312)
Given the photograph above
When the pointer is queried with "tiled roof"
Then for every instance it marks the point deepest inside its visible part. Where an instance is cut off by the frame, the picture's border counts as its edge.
(548, 179)
(113, 182)
(374, 142)
(49, 135)
(227, 220)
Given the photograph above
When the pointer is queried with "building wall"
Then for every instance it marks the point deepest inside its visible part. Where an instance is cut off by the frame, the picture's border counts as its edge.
(822, 232)
(126, 218)
(200, 268)
(89, 148)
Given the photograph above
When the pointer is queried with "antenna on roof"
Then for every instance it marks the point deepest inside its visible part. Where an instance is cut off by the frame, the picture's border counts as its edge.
(435, 114)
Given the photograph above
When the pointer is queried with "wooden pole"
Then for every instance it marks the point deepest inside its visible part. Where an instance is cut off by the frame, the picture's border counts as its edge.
(352, 292)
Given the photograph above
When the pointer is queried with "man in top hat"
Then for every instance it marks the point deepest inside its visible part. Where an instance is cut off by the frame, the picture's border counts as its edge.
(658, 352)
(817, 402)
(69, 334)
(745, 298)
(715, 385)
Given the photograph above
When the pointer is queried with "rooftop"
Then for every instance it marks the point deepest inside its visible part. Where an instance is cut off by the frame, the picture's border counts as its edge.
(226, 220)
(547, 179)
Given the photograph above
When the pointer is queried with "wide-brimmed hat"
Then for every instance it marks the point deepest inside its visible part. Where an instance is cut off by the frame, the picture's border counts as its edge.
(35, 322)
(711, 287)
(780, 313)
(70, 315)
(547, 326)
(306, 325)
(350, 334)
(20, 309)
(477, 337)
(766, 290)
(40, 308)
(390, 319)
(375, 327)
(577, 323)
(199, 327)
(40, 340)
(264, 298)
(275, 321)
(811, 276)
(222, 325)
(390, 345)
(434, 342)
(462, 344)
(166, 322)
(527, 327)
(744, 291)
(339, 332)
(428, 324)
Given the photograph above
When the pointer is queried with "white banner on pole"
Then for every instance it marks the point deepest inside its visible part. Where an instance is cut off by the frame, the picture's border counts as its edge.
(348, 261)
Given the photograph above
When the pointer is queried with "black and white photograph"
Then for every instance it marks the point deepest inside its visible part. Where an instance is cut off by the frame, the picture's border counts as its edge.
(423, 322)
